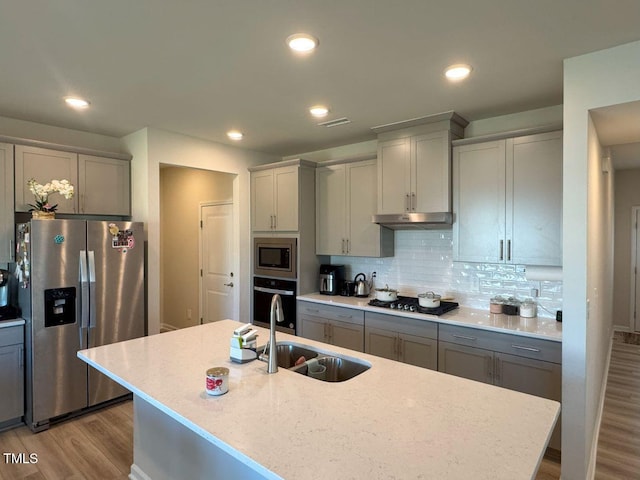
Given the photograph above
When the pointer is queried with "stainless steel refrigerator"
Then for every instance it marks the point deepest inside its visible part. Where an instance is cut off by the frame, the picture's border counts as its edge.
(82, 285)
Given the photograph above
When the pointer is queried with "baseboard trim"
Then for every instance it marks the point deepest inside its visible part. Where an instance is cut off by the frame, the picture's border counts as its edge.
(591, 470)
(167, 327)
(138, 474)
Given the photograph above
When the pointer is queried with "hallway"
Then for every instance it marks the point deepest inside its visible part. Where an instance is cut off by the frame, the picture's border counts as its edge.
(619, 440)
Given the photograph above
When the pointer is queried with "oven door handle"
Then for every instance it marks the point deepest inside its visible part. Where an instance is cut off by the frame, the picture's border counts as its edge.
(274, 290)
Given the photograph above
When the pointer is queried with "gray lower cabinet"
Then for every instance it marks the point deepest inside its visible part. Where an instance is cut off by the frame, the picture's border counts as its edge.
(522, 364)
(403, 339)
(11, 373)
(339, 326)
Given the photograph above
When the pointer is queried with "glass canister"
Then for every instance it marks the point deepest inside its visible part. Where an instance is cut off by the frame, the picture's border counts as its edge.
(511, 306)
(528, 309)
(495, 305)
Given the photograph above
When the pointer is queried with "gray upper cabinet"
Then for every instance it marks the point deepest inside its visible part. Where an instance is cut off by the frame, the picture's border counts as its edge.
(414, 173)
(102, 185)
(507, 200)
(282, 195)
(345, 202)
(44, 165)
(6, 203)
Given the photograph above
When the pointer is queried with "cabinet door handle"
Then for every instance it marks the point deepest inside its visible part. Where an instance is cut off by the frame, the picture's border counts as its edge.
(464, 337)
(407, 203)
(528, 349)
(345, 316)
(509, 250)
(313, 310)
(501, 249)
(413, 201)
(343, 245)
(487, 366)
(496, 373)
(348, 249)
(275, 221)
(399, 348)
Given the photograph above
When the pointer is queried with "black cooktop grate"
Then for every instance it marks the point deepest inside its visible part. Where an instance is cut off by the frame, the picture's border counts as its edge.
(414, 306)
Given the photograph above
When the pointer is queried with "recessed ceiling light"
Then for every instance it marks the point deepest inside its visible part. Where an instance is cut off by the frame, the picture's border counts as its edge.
(302, 42)
(235, 135)
(76, 102)
(319, 111)
(459, 71)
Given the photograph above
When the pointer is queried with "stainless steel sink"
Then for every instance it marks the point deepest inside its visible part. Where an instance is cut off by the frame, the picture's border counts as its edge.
(336, 368)
(331, 366)
(289, 354)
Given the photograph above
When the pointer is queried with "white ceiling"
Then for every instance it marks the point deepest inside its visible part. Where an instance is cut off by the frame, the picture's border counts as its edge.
(202, 67)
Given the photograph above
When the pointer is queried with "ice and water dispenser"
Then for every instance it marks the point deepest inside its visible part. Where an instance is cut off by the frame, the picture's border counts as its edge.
(59, 306)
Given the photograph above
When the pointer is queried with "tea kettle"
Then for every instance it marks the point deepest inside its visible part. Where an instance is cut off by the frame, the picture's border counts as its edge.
(362, 287)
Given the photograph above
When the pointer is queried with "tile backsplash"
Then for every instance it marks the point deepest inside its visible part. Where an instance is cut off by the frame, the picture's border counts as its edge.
(423, 261)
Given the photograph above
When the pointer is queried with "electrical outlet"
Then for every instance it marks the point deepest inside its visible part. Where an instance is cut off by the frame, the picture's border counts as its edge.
(534, 292)
(188, 314)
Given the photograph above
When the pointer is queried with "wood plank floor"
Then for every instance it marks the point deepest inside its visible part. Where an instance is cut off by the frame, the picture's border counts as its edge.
(95, 446)
(619, 440)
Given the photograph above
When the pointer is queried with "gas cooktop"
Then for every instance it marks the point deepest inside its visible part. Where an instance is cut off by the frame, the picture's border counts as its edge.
(411, 304)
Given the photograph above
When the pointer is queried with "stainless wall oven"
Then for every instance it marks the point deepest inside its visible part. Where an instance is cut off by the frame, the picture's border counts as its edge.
(275, 257)
(263, 291)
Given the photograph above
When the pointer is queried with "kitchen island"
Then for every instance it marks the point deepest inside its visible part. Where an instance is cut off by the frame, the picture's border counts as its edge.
(392, 421)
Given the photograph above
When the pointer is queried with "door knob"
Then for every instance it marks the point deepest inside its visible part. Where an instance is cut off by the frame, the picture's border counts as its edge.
(230, 284)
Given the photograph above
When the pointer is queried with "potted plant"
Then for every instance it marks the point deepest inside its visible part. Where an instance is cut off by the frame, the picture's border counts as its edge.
(42, 208)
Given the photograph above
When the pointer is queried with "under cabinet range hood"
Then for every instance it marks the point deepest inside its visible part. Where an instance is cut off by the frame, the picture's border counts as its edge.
(414, 220)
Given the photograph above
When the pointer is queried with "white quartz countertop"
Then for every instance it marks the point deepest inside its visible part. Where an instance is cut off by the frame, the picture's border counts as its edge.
(392, 421)
(538, 327)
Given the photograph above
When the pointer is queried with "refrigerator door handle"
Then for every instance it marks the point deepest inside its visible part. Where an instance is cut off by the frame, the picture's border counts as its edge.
(92, 289)
(84, 296)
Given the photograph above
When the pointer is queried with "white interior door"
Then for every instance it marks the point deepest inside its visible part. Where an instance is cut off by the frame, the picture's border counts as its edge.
(635, 268)
(216, 293)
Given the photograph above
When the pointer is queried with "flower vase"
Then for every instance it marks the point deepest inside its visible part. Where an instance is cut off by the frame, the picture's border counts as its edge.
(37, 214)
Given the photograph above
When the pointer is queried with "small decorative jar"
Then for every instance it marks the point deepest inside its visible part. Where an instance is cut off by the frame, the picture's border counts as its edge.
(496, 304)
(528, 309)
(511, 306)
(217, 381)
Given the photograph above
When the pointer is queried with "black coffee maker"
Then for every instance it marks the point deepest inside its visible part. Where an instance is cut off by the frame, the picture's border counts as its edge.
(7, 311)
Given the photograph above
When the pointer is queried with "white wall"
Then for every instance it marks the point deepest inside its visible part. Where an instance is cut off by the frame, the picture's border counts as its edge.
(11, 127)
(179, 150)
(599, 79)
(541, 117)
(627, 195)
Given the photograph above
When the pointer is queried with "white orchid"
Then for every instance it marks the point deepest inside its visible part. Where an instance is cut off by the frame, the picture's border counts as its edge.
(42, 192)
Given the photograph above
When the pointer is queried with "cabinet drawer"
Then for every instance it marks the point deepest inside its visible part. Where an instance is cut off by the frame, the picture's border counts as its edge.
(521, 346)
(329, 312)
(12, 335)
(400, 324)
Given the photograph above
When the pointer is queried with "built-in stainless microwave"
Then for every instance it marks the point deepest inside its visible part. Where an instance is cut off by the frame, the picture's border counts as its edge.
(275, 256)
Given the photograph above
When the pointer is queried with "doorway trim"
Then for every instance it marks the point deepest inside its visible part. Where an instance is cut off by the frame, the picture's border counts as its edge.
(633, 320)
